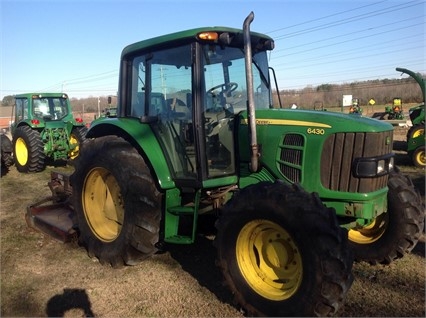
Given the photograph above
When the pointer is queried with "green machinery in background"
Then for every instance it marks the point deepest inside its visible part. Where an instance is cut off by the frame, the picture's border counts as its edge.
(44, 129)
(416, 134)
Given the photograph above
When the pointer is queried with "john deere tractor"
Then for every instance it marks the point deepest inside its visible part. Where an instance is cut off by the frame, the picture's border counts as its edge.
(44, 129)
(416, 133)
(395, 111)
(196, 138)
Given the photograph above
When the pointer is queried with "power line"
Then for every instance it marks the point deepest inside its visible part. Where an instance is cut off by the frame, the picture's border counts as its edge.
(85, 79)
(351, 33)
(325, 17)
(371, 53)
(348, 20)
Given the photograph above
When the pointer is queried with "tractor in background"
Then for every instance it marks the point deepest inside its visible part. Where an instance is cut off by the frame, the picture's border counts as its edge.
(355, 107)
(416, 133)
(44, 129)
(395, 111)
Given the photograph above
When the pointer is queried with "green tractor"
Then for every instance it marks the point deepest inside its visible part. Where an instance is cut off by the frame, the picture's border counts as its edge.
(44, 129)
(395, 111)
(356, 107)
(416, 133)
(196, 139)
(110, 111)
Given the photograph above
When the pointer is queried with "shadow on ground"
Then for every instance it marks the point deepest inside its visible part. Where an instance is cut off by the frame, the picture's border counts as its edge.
(199, 261)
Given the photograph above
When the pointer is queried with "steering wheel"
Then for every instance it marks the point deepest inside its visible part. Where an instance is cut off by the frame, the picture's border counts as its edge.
(225, 88)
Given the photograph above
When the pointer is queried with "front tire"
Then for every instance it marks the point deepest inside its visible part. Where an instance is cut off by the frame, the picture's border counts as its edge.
(282, 252)
(116, 202)
(394, 233)
(28, 150)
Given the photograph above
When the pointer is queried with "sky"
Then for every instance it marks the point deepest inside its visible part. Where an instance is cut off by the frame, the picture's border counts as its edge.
(74, 46)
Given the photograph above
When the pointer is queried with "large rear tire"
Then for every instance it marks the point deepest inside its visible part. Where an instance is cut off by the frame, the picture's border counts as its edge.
(6, 151)
(116, 201)
(394, 233)
(282, 252)
(28, 150)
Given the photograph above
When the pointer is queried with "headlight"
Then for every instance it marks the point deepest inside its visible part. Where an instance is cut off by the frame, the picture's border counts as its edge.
(373, 167)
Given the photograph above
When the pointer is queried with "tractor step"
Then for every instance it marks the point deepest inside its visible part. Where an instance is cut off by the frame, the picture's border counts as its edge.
(56, 220)
(182, 221)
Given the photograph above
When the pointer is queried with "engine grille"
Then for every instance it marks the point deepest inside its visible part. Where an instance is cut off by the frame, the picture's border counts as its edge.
(341, 149)
(290, 162)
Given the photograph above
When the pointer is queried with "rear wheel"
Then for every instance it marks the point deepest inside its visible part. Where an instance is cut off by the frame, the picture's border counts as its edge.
(394, 233)
(282, 252)
(6, 151)
(28, 150)
(77, 137)
(415, 131)
(116, 201)
(418, 157)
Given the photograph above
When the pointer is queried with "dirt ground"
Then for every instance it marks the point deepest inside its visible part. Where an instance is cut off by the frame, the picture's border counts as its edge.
(41, 277)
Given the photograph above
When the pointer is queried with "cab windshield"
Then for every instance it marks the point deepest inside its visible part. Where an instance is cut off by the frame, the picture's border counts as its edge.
(50, 108)
(225, 79)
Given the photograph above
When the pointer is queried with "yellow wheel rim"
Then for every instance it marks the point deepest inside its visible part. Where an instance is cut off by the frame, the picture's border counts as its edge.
(102, 204)
(371, 232)
(420, 158)
(74, 142)
(418, 132)
(21, 151)
(269, 260)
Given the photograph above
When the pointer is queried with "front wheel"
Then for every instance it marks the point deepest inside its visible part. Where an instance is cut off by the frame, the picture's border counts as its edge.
(282, 252)
(116, 202)
(395, 232)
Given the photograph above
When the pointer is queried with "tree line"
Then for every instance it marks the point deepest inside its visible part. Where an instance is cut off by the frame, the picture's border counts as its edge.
(326, 95)
(331, 95)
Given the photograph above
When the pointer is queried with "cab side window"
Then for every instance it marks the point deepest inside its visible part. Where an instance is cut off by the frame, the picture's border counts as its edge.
(21, 112)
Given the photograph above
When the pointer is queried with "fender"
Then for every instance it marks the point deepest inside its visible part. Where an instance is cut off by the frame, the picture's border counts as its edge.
(141, 136)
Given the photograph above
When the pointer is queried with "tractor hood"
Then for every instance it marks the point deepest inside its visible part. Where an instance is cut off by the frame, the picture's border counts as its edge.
(328, 121)
(309, 132)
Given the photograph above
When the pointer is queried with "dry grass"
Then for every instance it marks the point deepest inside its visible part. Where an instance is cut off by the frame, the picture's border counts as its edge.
(41, 277)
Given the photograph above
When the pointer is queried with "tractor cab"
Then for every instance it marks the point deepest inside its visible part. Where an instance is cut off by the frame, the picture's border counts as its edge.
(190, 93)
(36, 110)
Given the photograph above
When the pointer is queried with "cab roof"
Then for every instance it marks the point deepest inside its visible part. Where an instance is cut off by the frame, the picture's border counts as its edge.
(40, 95)
(190, 36)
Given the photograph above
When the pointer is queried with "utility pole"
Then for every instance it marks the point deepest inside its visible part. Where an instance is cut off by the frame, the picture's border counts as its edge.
(163, 84)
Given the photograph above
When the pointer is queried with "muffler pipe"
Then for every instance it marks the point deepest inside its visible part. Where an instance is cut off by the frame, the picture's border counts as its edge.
(254, 147)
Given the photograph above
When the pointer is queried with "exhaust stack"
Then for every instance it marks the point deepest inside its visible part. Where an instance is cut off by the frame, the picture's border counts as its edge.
(254, 147)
